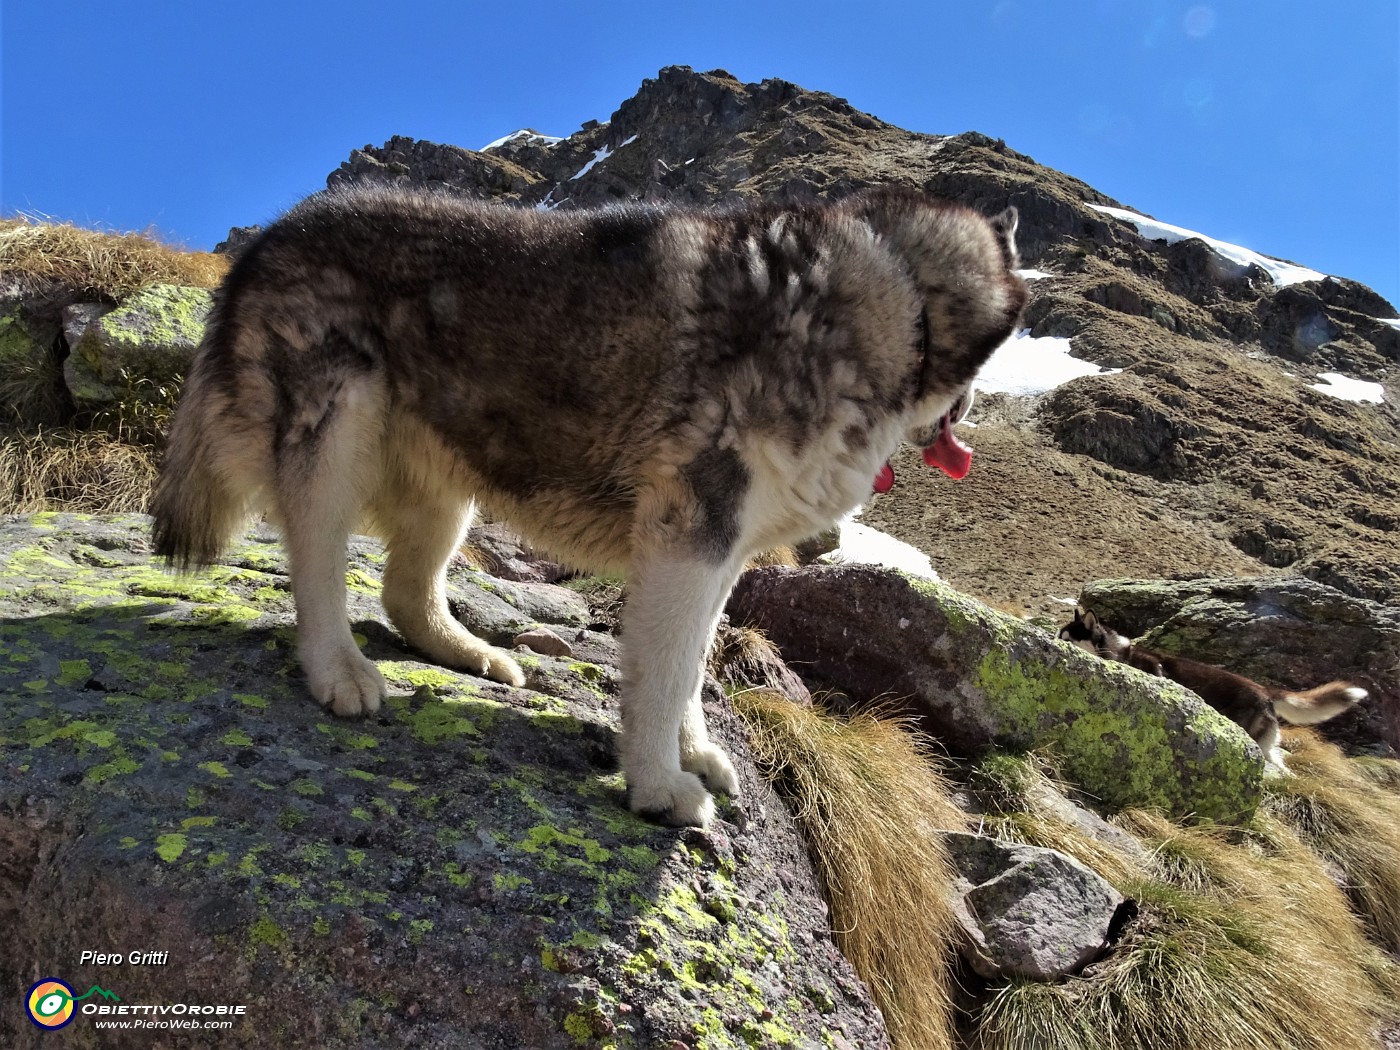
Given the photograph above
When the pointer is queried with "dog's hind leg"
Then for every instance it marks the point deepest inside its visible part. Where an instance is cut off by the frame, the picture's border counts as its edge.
(422, 528)
(1270, 742)
(329, 449)
(674, 600)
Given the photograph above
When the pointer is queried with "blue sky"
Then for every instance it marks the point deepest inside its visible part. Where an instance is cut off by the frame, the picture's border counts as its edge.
(1275, 125)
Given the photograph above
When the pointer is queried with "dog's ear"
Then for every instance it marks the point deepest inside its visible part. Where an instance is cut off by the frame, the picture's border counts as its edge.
(1005, 227)
(1089, 620)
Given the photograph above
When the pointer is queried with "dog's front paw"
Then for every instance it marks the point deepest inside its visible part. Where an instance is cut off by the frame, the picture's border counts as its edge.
(673, 798)
(713, 764)
(346, 682)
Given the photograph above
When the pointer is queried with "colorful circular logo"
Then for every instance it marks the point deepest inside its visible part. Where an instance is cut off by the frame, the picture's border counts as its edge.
(50, 1003)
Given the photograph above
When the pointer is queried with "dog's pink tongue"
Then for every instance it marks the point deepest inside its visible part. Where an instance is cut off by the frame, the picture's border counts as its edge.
(884, 481)
(949, 455)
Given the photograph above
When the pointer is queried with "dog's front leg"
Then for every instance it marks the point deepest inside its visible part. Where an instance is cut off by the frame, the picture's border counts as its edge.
(674, 600)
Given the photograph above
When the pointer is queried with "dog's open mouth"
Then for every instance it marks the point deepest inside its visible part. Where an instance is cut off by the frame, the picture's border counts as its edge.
(946, 452)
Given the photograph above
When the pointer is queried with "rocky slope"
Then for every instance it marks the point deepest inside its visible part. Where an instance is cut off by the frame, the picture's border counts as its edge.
(460, 870)
(1207, 454)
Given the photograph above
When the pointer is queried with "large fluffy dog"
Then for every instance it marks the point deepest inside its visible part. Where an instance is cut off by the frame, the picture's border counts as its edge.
(656, 392)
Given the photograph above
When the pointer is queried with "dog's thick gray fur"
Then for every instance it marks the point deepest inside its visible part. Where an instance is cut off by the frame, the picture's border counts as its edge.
(654, 392)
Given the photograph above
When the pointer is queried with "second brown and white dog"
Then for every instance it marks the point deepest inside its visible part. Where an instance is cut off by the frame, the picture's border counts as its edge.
(1255, 708)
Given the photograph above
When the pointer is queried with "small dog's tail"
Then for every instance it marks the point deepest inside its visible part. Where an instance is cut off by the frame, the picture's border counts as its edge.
(1311, 706)
(203, 498)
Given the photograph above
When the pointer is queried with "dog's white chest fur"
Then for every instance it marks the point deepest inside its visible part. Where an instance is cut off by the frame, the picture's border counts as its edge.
(796, 493)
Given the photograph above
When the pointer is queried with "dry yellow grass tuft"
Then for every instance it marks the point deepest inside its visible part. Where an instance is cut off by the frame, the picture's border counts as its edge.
(104, 265)
(869, 802)
(784, 556)
(1348, 811)
(738, 656)
(71, 470)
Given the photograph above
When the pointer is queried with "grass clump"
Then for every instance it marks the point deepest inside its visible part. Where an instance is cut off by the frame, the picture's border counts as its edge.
(605, 596)
(32, 393)
(74, 470)
(94, 264)
(869, 802)
(1348, 811)
(143, 411)
(785, 557)
(1243, 943)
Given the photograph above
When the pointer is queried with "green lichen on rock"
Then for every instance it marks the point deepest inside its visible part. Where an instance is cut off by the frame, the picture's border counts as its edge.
(141, 349)
(370, 871)
(17, 343)
(1106, 745)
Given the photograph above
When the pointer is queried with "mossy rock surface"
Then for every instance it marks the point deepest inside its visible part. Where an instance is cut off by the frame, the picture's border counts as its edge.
(978, 679)
(458, 871)
(145, 343)
(25, 343)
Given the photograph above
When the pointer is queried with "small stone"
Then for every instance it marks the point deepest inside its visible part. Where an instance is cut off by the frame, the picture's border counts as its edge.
(545, 642)
(1027, 911)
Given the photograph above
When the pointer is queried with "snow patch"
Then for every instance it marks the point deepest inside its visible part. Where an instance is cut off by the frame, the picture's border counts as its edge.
(1028, 365)
(862, 545)
(599, 155)
(549, 203)
(1394, 322)
(1032, 275)
(1358, 390)
(1283, 273)
(525, 137)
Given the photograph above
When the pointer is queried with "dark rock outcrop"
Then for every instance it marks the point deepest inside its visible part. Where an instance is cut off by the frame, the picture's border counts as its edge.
(239, 237)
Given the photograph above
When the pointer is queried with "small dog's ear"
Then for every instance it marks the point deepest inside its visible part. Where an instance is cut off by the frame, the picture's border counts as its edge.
(1089, 620)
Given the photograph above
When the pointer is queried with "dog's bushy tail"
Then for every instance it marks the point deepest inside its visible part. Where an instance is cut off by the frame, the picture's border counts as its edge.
(1311, 706)
(198, 505)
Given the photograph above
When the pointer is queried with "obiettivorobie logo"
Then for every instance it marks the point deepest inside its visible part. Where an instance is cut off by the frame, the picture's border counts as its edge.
(50, 1001)
(53, 1004)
